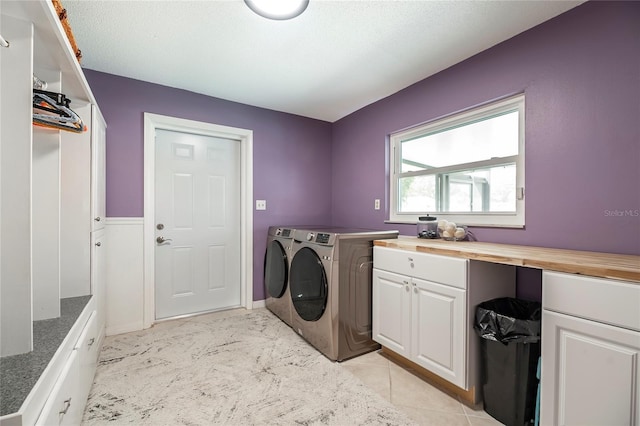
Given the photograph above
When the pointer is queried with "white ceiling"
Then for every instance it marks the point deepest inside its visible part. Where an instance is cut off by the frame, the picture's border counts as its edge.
(336, 58)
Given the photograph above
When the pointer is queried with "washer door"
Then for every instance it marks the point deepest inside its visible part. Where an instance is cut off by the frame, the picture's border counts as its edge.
(276, 271)
(308, 285)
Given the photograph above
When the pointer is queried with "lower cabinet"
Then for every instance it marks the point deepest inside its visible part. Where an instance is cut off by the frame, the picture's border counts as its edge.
(66, 402)
(590, 354)
(422, 321)
(424, 308)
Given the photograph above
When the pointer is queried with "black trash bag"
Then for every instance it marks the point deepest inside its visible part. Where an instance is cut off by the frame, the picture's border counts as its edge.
(508, 320)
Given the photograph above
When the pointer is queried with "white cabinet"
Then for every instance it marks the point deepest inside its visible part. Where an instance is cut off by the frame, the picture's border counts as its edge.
(424, 307)
(590, 351)
(422, 321)
(98, 278)
(47, 180)
(98, 164)
(67, 399)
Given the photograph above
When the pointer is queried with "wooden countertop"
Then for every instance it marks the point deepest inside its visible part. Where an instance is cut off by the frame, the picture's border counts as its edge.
(604, 265)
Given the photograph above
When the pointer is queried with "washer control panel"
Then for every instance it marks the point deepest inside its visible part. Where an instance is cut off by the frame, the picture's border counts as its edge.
(323, 238)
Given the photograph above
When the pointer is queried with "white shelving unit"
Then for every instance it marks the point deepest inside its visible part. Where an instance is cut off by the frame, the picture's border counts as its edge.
(51, 188)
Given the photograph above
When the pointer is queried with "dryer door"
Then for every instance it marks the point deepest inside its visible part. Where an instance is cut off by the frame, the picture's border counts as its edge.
(276, 267)
(308, 285)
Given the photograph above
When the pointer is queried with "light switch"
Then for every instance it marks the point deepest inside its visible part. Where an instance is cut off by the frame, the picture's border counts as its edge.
(261, 204)
(376, 204)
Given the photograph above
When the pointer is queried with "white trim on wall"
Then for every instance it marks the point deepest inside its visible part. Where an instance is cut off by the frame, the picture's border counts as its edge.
(124, 270)
(153, 122)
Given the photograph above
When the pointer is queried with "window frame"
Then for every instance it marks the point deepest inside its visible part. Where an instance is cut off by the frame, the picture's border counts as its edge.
(487, 219)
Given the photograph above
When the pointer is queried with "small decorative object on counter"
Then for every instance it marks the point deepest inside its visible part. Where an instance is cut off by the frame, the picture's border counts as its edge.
(451, 232)
(428, 227)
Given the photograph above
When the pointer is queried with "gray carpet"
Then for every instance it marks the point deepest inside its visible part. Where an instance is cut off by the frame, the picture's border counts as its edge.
(242, 368)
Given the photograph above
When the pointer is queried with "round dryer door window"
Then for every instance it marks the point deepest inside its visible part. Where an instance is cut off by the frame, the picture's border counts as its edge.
(275, 270)
(308, 285)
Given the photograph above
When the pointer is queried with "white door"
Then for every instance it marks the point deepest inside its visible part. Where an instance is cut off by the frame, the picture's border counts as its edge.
(590, 372)
(197, 214)
(438, 327)
(391, 311)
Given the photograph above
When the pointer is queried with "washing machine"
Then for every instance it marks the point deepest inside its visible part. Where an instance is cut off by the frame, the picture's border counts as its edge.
(276, 271)
(330, 284)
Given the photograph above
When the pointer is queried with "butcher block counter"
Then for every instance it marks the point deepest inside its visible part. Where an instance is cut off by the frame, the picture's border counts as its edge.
(603, 265)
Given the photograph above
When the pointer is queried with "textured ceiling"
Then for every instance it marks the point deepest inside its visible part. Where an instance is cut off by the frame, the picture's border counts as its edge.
(336, 58)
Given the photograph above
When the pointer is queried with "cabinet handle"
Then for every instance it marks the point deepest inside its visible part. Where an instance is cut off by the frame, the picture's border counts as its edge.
(67, 404)
(93, 339)
(97, 219)
(98, 244)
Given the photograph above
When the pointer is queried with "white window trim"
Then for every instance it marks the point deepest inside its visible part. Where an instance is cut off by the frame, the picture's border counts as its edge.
(492, 219)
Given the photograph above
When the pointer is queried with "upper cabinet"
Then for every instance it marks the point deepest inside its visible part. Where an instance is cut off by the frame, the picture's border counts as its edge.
(98, 169)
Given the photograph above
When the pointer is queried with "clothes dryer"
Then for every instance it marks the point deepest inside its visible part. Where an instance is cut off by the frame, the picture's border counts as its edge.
(330, 285)
(276, 272)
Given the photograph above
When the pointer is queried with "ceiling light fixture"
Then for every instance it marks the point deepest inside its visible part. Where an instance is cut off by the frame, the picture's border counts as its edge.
(278, 9)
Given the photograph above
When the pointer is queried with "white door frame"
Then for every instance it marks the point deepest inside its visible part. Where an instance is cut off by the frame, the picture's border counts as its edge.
(152, 122)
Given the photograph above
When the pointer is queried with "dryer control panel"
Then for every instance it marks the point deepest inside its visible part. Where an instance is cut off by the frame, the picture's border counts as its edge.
(322, 238)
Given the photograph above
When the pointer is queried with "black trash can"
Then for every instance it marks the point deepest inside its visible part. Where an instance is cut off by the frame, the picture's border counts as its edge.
(510, 347)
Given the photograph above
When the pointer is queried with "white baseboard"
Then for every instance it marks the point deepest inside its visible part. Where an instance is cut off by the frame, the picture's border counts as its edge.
(124, 328)
(258, 304)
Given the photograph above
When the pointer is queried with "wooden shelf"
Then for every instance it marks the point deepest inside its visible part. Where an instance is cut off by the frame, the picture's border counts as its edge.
(52, 49)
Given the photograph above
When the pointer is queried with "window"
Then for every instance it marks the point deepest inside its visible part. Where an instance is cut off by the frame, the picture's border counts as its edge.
(466, 168)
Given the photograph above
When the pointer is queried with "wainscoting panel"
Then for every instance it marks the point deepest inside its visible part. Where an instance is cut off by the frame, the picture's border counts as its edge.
(125, 275)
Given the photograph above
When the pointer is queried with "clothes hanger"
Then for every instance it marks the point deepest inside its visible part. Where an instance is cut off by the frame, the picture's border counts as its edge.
(51, 110)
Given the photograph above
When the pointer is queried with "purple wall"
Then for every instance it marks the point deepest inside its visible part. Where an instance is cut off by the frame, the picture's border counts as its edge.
(291, 154)
(581, 76)
(580, 73)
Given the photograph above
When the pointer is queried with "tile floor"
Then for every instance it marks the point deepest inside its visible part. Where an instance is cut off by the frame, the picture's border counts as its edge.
(423, 402)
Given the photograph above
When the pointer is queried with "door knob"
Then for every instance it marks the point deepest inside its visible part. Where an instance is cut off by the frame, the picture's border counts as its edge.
(161, 240)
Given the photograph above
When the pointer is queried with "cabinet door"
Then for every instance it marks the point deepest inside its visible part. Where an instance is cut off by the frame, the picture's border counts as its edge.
(590, 373)
(438, 328)
(391, 313)
(98, 168)
(98, 278)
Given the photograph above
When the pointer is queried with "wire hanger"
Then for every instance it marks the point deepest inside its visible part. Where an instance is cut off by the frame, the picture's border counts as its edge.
(52, 110)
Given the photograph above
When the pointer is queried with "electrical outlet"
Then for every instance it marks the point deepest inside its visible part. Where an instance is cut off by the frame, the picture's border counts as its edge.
(376, 204)
(261, 204)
